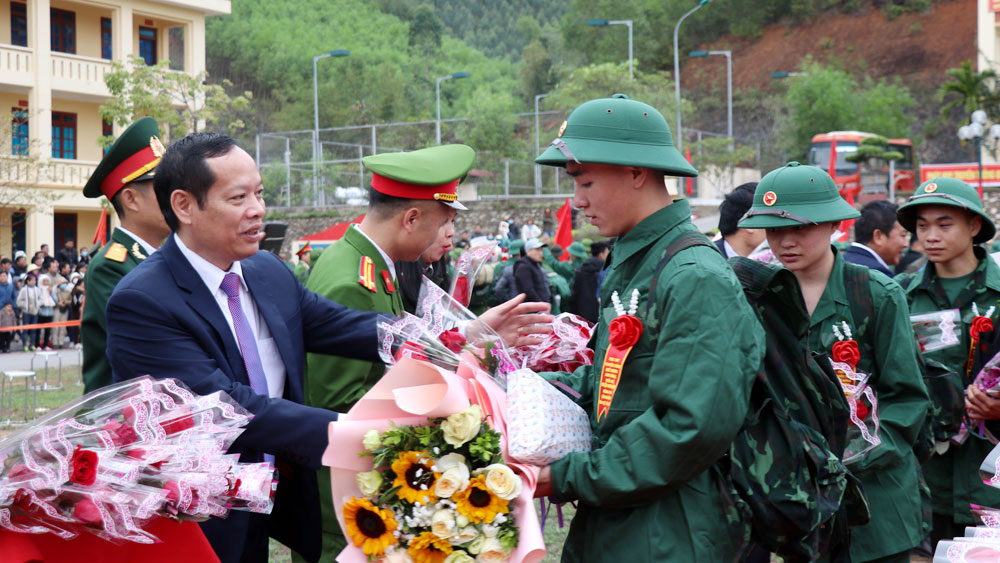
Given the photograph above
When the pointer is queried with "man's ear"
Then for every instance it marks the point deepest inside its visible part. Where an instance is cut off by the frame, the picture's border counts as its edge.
(183, 204)
(127, 198)
(975, 224)
(409, 218)
(638, 176)
(878, 237)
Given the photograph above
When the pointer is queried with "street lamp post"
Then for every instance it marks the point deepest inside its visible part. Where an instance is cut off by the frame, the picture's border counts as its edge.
(974, 131)
(729, 84)
(315, 150)
(627, 23)
(677, 71)
(437, 95)
(538, 168)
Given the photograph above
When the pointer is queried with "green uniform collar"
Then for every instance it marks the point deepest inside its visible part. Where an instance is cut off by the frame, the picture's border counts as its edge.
(364, 245)
(650, 230)
(986, 274)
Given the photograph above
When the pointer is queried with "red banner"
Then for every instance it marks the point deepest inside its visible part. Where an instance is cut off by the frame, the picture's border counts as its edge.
(968, 172)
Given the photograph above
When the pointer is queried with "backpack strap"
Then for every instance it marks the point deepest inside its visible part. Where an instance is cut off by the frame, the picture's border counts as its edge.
(856, 280)
(684, 241)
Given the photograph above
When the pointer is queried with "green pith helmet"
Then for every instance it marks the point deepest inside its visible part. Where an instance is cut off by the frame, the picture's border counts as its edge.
(515, 247)
(795, 195)
(578, 250)
(946, 191)
(619, 131)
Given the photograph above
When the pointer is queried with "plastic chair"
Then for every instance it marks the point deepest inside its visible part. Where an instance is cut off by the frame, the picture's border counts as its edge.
(11, 377)
(45, 382)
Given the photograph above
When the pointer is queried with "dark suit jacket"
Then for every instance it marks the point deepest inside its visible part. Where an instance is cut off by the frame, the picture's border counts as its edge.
(721, 245)
(856, 255)
(163, 321)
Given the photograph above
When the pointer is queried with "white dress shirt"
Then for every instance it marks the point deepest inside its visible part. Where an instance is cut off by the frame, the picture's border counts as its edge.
(873, 253)
(388, 261)
(211, 275)
(145, 245)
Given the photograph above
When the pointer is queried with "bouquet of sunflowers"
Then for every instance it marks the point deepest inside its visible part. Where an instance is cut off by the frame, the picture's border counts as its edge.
(439, 492)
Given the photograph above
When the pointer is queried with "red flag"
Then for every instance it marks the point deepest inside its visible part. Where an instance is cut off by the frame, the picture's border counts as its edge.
(102, 228)
(689, 191)
(564, 230)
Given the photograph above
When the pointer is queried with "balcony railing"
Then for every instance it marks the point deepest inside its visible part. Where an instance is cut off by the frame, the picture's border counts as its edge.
(84, 75)
(17, 171)
(16, 65)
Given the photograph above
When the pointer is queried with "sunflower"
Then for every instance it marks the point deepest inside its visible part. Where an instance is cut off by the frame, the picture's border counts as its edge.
(428, 548)
(370, 527)
(477, 503)
(414, 478)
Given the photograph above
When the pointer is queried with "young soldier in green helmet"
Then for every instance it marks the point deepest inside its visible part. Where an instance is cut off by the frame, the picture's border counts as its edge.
(948, 218)
(666, 395)
(800, 209)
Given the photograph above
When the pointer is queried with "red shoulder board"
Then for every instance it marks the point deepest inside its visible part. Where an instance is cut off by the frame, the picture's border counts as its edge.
(388, 282)
(366, 274)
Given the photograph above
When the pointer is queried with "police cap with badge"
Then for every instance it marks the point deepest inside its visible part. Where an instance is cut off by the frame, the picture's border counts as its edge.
(796, 195)
(432, 173)
(617, 131)
(132, 158)
(950, 192)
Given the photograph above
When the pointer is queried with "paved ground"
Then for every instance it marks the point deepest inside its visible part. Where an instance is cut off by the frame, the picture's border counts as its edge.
(22, 360)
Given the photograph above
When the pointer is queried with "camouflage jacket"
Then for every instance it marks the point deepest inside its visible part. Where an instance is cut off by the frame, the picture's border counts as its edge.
(889, 356)
(647, 491)
(954, 475)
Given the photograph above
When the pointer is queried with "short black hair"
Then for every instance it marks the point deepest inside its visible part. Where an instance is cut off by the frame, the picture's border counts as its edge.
(116, 200)
(879, 214)
(734, 207)
(47, 261)
(183, 167)
(386, 205)
(5, 260)
(596, 248)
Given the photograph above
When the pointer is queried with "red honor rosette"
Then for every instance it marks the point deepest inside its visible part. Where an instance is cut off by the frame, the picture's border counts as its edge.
(623, 333)
(979, 325)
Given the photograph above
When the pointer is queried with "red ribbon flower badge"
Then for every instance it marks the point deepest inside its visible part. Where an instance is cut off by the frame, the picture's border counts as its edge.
(980, 324)
(845, 351)
(623, 333)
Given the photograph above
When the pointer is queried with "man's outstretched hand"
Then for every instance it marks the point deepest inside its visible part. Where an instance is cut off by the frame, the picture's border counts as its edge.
(519, 323)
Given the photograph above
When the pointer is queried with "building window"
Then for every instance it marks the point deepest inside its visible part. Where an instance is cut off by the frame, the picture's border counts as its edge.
(64, 228)
(19, 132)
(19, 24)
(107, 130)
(63, 135)
(147, 45)
(63, 28)
(106, 38)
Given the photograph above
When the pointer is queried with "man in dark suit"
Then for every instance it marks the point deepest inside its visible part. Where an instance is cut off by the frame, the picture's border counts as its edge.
(213, 311)
(879, 239)
(736, 241)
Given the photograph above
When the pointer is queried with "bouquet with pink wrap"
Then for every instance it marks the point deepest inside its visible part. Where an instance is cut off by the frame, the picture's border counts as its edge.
(111, 461)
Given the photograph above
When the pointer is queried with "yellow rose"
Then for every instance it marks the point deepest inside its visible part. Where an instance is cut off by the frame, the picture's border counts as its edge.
(466, 534)
(372, 440)
(443, 524)
(369, 482)
(502, 481)
(463, 426)
(451, 481)
(492, 552)
(459, 556)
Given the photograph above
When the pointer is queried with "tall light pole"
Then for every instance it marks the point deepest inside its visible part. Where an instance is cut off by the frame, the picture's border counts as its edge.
(975, 131)
(678, 139)
(628, 23)
(538, 168)
(437, 95)
(315, 151)
(729, 84)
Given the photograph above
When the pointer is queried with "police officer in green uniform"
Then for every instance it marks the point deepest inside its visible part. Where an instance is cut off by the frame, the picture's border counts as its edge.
(948, 218)
(413, 196)
(800, 208)
(647, 490)
(125, 177)
(301, 270)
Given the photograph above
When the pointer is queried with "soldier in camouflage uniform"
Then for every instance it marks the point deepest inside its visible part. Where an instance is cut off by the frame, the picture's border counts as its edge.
(800, 208)
(948, 219)
(648, 491)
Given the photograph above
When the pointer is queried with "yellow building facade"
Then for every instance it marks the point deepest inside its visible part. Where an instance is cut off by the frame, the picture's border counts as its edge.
(54, 55)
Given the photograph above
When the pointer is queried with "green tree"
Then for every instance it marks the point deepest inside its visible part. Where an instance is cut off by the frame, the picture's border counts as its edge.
(491, 124)
(968, 89)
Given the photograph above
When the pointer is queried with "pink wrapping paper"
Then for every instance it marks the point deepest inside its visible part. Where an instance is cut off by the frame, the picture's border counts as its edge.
(409, 393)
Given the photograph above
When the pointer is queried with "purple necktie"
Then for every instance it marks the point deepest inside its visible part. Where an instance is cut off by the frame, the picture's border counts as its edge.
(248, 344)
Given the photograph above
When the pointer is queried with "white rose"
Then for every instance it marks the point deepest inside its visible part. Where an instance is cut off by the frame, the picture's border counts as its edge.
(492, 552)
(459, 557)
(451, 481)
(396, 556)
(372, 440)
(463, 426)
(466, 534)
(477, 545)
(369, 482)
(502, 481)
(443, 524)
(444, 463)
(462, 520)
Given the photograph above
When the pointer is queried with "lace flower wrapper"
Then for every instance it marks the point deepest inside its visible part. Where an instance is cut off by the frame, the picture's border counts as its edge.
(935, 330)
(466, 269)
(104, 463)
(863, 424)
(563, 349)
(990, 517)
(987, 381)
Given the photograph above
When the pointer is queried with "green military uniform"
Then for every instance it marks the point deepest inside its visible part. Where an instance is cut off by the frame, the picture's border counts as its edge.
(564, 269)
(953, 476)
(301, 271)
(646, 491)
(109, 266)
(353, 272)
(132, 158)
(558, 286)
(649, 491)
(888, 354)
